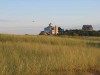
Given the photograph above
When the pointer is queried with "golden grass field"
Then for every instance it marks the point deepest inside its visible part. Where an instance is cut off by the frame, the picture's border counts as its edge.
(49, 55)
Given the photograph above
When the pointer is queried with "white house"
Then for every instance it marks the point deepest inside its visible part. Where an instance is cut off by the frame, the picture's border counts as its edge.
(51, 29)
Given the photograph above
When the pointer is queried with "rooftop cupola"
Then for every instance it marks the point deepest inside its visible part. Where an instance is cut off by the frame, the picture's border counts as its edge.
(51, 24)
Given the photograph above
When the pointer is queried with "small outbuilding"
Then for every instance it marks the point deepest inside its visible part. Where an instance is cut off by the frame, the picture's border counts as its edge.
(87, 27)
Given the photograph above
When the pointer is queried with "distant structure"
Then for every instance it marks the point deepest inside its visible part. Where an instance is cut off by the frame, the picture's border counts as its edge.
(87, 28)
(50, 30)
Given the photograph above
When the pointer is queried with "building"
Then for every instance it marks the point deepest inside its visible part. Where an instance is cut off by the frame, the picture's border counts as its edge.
(87, 27)
(50, 30)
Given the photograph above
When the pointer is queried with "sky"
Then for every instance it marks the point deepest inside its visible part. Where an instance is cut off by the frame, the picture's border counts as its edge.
(16, 16)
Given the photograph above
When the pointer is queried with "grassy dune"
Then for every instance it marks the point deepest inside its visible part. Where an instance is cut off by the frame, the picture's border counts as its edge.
(49, 55)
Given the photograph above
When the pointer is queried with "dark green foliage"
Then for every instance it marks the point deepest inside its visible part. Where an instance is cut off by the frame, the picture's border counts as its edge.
(81, 33)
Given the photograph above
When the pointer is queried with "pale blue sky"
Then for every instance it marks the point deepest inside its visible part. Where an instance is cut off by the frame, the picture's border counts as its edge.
(16, 16)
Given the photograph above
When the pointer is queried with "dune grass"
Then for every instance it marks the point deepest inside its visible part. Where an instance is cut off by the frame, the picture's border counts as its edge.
(49, 55)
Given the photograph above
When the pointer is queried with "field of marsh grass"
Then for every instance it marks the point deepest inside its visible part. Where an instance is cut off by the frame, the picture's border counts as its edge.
(49, 55)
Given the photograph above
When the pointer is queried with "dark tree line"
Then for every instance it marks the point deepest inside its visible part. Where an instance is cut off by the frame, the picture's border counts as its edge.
(76, 32)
